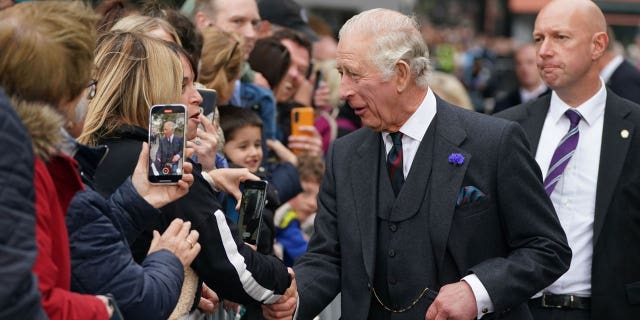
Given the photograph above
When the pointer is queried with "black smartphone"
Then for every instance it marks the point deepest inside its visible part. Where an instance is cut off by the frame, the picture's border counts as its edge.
(117, 315)
(254, 198)
(167, 126)
(316, 84)
(209, 101)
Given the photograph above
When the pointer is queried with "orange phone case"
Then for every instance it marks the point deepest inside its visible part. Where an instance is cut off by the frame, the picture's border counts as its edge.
(301, 116)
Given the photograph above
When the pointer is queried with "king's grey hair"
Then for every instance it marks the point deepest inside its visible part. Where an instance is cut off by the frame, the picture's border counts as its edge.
(393, 37)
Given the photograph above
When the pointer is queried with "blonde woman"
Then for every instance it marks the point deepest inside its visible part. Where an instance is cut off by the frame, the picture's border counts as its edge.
(82, 248)
(118, 118)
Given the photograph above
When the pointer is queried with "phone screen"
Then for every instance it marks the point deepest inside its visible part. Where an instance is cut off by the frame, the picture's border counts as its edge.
(254, 196)
(167, 126)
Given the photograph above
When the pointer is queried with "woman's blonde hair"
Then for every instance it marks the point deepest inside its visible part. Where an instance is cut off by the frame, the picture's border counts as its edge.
(144, 25)
(133, 72)
(221, 61)
(46, 50)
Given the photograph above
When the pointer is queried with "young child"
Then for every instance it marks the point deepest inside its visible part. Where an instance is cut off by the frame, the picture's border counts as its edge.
(242, 130)
(294, 220)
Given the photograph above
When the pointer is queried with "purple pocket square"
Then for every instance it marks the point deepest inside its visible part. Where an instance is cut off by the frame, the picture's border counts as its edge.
(469, 194)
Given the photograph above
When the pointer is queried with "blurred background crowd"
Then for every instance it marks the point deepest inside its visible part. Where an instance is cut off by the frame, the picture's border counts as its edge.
(265, 59)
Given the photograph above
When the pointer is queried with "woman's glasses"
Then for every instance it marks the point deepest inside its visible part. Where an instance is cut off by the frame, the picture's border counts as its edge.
(92, 89)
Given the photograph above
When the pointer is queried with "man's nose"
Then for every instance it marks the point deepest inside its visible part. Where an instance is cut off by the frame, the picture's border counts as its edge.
(545, 48)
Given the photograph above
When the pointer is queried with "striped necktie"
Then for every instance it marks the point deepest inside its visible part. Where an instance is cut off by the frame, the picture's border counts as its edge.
(565, 150)
(394, 162)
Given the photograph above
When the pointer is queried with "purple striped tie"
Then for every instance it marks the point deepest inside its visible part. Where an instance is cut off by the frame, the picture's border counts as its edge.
(565, 150)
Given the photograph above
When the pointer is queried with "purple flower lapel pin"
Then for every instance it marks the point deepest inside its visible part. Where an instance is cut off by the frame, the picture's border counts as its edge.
(456, 159)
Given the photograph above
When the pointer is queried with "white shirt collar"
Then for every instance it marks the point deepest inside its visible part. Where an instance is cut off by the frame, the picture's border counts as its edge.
(525, 95)
(417, 125)
(611, 67)
(590, 110)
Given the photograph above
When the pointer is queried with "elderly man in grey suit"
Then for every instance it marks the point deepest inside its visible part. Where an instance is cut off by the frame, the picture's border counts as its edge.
(431, 211)
(587, 142)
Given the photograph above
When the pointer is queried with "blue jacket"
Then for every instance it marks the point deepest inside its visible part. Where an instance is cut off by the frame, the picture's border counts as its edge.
(101, 261)
(19, 295)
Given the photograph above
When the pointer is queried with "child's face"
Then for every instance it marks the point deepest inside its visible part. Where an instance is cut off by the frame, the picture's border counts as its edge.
(245, 149)
(306, 202)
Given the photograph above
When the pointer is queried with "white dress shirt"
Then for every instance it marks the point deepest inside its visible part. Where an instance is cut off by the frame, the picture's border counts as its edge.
(610, 68)
(574, 197)
(412, 133)
(526, 96)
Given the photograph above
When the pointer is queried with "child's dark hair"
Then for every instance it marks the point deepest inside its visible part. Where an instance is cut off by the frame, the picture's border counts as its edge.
(310, 167)
(234, 118)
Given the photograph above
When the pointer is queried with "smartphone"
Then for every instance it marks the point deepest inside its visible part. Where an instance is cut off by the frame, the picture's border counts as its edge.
(209, 102)
(254, 198)
(319, 79)
(117, 315)
(301, 116)
(316, 85)
(167, 125)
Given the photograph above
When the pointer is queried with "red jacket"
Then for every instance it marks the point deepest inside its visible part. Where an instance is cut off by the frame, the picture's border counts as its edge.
(55, 184)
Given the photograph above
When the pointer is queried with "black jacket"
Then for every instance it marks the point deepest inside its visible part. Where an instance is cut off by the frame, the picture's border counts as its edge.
(225, 263)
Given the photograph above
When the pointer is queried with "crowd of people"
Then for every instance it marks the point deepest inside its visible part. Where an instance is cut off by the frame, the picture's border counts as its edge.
(404, 199)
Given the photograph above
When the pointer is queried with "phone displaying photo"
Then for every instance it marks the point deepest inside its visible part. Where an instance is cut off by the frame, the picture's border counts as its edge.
(167, 126)
(301, 116)
(254, 198)
(209, 101)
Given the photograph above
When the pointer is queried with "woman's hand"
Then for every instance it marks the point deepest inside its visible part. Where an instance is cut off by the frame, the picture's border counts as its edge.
(229, 179)
(159, 195)
(307, 144)
(204, 144)
(179, 239)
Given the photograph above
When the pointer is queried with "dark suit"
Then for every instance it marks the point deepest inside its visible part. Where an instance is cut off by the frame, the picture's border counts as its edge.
(512, 99)
(625, 82)
(166, 151)
(615, 274)
(472, 238)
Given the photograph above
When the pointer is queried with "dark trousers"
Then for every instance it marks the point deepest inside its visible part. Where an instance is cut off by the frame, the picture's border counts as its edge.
(542, 313)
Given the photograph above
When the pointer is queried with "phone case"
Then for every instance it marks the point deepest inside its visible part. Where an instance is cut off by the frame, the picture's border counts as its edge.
(165, 142)
(209, 100)
(254, 195)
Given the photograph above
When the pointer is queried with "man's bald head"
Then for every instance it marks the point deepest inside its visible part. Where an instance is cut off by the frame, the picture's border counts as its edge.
(570, 38)
(587, 12)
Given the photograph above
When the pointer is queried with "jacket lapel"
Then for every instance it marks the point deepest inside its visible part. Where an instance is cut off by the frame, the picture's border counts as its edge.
(364, 173)
(533, 120)
(412, 195)
(446, 177)
(612, 156)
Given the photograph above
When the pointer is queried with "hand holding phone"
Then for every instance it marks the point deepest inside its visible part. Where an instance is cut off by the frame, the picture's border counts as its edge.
(167, 125)
(301, 116)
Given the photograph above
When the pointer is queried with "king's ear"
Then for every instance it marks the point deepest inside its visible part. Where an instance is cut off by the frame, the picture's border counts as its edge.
(402, 75)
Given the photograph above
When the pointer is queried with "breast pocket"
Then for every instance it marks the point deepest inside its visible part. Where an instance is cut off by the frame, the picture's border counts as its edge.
(471, 209)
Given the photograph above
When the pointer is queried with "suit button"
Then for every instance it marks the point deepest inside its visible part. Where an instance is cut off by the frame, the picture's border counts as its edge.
(392, 253)
(393, 281)
(393, 227)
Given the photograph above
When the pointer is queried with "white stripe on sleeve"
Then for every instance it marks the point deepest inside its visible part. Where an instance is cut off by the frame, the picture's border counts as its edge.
(249, 284)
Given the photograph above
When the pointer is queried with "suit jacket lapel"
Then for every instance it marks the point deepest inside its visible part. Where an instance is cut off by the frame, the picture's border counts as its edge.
(446, 178)
(412, 195)
(533, 121)
(612, 156)
(364, 172)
